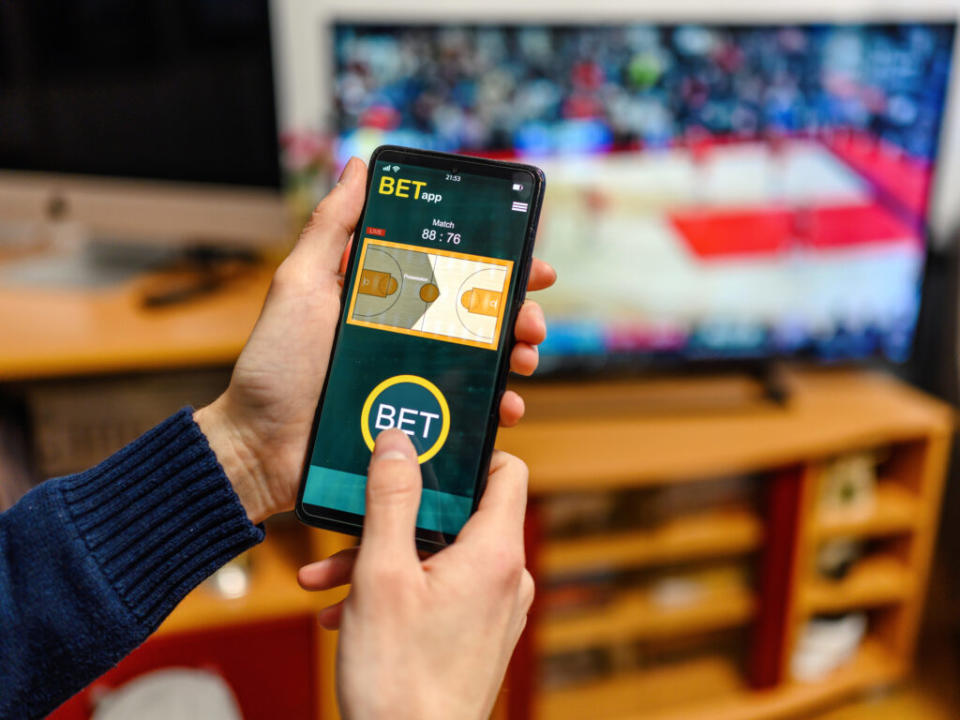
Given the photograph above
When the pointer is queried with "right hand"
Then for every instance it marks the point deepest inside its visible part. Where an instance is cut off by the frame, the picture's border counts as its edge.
(425, 639)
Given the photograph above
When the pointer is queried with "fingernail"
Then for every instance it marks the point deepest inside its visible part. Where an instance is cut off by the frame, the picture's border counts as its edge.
(348, 171)
(391, 455)
(316, 564)
(393, 444)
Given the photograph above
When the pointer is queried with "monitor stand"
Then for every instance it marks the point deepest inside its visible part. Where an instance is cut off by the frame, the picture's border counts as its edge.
(172, 272)
(773, 379)
(82, 263)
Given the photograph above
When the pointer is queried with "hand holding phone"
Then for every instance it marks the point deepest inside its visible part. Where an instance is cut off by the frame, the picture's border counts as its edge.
(259, 427)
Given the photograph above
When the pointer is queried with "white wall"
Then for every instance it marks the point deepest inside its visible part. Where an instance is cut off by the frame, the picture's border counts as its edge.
(302, 43)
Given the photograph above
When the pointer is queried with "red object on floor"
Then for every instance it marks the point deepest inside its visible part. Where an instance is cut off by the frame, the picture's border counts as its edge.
(718, 234)
(845, 226)
(270, 666)
(904, 177)
(726, 233)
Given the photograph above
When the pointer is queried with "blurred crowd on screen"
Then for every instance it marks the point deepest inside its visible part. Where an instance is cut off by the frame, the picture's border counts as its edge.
(537, 89)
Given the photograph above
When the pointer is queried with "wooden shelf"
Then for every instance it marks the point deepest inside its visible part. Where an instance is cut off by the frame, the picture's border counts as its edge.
(634, 615)
(679, 430)
(635, 440)
(871, 582)
(712, 534)
(643, 692)
(712, 688)
(895, 510)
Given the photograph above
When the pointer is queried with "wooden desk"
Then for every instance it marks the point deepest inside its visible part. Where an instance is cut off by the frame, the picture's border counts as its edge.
(47, 333)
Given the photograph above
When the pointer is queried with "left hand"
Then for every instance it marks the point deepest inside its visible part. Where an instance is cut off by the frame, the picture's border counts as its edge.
(259, 428)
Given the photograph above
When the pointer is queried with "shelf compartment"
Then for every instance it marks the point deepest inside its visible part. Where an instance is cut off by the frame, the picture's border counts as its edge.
(717, 533)
(895, 510)
(872, 582)
(713, 688)
(645, 691)
(634, 615)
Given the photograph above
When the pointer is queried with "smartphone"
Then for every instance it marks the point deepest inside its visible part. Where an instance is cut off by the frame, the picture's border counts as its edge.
(437, 272)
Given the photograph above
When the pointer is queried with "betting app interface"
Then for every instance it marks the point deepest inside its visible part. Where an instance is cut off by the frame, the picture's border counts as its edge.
(423, 329)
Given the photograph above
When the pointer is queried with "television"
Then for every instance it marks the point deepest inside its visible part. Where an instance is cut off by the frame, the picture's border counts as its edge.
(152, 121)
(715, 191)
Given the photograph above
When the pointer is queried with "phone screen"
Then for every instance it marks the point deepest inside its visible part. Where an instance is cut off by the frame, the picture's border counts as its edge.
(425, 324)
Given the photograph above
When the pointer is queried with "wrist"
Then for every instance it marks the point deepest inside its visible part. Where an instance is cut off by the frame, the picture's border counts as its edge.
(239, 462)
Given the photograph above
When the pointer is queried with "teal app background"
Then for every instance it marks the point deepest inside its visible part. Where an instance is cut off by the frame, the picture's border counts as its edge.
(474, 217)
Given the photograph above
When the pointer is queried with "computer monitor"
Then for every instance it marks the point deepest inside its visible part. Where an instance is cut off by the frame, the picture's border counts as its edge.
(141, 120)
(716, 190)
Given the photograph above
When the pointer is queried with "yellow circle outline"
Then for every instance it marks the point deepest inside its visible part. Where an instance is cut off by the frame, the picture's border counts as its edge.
(416, 380)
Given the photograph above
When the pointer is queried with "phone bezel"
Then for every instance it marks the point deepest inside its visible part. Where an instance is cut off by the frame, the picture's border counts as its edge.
(352, 523)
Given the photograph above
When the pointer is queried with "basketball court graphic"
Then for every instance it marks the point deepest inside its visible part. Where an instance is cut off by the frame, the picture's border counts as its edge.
(437, 294)
(823, 230)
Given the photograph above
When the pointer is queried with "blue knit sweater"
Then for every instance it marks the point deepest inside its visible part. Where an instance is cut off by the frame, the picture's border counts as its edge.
(90, 564)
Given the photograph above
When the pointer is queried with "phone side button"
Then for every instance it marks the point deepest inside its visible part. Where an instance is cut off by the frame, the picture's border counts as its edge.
(522, 294)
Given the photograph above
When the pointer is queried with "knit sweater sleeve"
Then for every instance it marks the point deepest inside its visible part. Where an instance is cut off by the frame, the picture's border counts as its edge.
(90, 564)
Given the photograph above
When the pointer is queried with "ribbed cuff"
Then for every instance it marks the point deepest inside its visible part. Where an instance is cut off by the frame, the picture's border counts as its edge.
(159, 517)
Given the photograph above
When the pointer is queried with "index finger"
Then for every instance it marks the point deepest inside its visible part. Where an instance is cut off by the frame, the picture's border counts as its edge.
(333, 220)
(503, 507)
(542, 275)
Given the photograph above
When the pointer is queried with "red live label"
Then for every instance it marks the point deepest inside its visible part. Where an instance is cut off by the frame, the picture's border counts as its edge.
(379, 232)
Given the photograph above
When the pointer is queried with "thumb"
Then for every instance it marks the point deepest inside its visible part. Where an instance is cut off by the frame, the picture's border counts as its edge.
(393, 498)
(333, 220)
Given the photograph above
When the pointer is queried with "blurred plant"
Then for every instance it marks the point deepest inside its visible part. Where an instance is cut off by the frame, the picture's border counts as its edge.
(307, 158)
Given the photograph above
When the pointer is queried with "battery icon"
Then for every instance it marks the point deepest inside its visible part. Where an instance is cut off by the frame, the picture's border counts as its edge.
(517, 187)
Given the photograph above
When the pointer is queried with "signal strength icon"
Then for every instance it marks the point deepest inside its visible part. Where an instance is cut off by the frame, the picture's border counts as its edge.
(391, 168)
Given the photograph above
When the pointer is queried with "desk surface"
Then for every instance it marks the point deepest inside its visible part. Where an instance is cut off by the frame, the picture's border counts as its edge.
(53, 333)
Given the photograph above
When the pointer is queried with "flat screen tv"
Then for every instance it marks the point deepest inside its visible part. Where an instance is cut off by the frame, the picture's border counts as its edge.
(714, 192)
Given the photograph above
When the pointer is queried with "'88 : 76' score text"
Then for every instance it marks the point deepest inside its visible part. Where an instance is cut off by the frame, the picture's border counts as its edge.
(442, 236)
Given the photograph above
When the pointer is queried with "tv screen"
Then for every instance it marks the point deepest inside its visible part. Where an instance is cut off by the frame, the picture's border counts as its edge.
(179, 90)
(713, 192)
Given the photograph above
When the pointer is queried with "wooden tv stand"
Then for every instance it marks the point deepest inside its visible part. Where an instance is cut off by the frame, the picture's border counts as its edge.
(628, 434)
